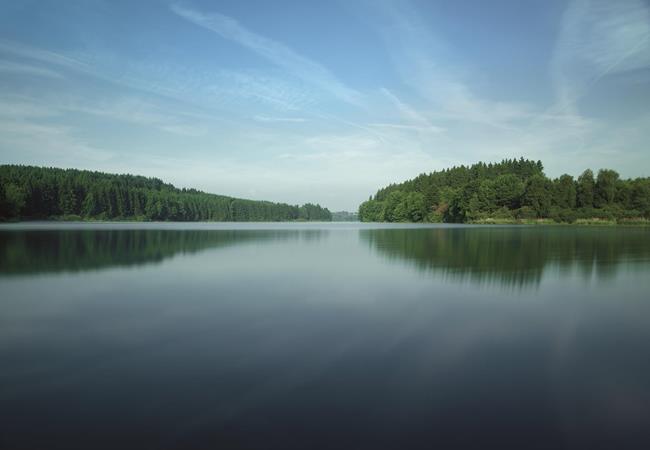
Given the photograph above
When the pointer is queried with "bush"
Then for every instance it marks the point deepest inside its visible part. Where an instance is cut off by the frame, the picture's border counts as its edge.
(434, 217)
(503, 213)
(525, 212)
(567, 216)
(563, 215)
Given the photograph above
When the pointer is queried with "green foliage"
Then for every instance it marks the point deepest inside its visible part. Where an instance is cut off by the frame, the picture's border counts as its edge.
(564, 192)
(585, 189)
(415, 209)
(395, 209)
(42, 193)
(605, 191)
(526, 213)
(510, 190)
(371, 211)
(12, 200)
(537, 195)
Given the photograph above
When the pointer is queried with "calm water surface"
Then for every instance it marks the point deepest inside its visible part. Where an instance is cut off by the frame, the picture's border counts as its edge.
(232, 336)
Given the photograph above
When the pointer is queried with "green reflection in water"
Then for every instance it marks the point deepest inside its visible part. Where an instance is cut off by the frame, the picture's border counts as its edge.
(30, 252)
(510, 256)
(515, 256)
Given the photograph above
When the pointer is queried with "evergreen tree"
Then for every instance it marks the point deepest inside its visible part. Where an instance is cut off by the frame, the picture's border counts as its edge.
(40, 193)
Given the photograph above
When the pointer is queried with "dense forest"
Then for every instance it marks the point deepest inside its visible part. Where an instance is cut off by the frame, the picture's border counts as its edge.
(514, 190)
(28, 193)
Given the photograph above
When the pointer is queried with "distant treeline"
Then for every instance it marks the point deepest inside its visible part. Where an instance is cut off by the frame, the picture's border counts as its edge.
(512, 190)
(43, 193)
(345, 216)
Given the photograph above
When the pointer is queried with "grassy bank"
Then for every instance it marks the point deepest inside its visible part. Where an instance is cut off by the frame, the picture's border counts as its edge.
(632, 221)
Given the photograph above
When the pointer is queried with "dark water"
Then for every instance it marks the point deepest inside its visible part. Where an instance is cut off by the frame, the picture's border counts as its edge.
(324, 336)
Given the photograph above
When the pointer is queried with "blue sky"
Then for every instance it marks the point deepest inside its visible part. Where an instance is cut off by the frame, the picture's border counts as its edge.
(303, 101)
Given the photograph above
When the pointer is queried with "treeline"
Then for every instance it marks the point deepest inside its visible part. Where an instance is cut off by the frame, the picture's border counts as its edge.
(512, 190)
(345, 216)
(30, 193)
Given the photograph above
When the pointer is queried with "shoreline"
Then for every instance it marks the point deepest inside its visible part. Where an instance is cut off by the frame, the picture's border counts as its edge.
(633, 221)
(628, 222)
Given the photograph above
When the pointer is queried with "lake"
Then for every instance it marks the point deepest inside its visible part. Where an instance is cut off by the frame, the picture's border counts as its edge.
(316, 335)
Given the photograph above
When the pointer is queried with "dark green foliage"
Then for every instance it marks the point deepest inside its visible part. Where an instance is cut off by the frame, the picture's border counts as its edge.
(585, 189)
(505, 191)
(564, 192)
(605, 188)
(537, 195)
(514, 189)
(42, 193)
(12, 200)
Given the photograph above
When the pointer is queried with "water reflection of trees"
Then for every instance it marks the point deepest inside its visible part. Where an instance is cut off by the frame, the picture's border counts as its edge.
(28, 252)
(515, 256)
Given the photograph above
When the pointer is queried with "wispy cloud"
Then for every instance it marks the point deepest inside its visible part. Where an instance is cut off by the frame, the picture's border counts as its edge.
(423, 61)
(139, 112)
(26, 69)
(273, 51)
(598, 38)
(51, 144)
(410, 114)
(418, 128)
(270, 90)
(45, 56)
(280, 119)
(22, 107)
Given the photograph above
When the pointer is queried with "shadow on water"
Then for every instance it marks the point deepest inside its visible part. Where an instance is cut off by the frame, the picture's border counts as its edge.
(44, 251)
(512, 256)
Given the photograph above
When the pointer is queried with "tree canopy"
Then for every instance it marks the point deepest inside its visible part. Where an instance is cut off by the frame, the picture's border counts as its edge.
(512, 189)
(28, 192)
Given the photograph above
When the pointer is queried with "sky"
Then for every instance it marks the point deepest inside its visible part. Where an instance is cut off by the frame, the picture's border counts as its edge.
(324, 102)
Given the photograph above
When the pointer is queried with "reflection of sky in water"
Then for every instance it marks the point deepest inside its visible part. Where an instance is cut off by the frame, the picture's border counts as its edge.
(332, 337)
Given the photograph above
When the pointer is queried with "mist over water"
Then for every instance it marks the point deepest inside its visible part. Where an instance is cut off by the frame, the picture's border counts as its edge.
(323, 336)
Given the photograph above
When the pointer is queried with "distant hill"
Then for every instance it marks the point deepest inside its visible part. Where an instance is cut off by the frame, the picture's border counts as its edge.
(345, 216)
(28, 192)
(510, 191)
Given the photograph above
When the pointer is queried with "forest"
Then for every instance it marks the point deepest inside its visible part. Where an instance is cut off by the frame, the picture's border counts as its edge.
(37, 193)
(514, 190)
